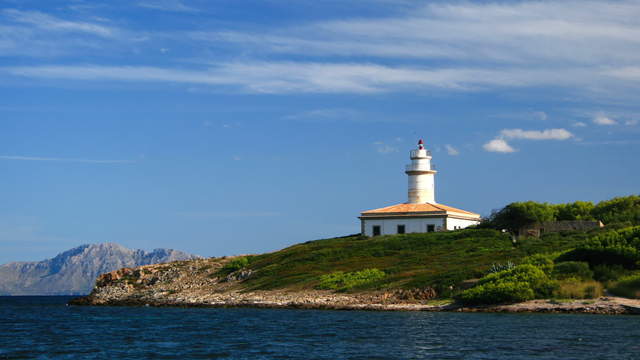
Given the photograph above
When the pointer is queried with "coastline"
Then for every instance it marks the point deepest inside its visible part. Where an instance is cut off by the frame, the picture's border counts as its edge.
(329, 301)
(185, 284)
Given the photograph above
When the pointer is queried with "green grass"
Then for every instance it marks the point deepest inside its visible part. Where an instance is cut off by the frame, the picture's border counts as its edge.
(441, 260)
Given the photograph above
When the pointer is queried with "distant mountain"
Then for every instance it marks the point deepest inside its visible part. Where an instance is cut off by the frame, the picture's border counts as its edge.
(74, 271)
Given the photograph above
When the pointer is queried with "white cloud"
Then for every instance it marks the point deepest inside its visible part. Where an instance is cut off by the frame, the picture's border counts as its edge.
(451, 150)
(578, 124)
(583, 32)
(51, 23)
(631, 122)
(329, 114)
(498, 145)
(166, 5)
(288, 77)
(34, 158)
(548, 134)
(601, 119)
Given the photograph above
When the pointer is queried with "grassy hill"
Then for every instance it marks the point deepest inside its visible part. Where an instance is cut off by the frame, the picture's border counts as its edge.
(439, 260)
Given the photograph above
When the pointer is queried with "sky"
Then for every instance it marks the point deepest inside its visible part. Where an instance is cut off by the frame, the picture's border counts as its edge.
(232, 127)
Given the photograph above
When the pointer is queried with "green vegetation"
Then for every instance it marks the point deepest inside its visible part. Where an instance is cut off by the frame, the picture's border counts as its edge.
(343, 281)
(522, 283)
(620, 211)
(573, 289)
(442, 260)
(235, 265)
(476, 266)
(628, 286)
(572, 270)
(621, 248)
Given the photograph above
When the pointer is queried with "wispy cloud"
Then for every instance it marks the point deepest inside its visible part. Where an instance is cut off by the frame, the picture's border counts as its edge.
(631, 122)
(601, 119)
(92, 161)
(451, 150)
(579, 124)
(167, 5)
(548, 134)
(289, 77)
(498, 145)
(51, 23)
(329, 114)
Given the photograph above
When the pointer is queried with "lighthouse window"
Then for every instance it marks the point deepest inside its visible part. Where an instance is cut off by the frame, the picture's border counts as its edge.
(400, 229)
(376, 230)
(431, 228)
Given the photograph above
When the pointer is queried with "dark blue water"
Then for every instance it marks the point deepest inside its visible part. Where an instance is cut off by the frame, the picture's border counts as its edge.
(44, 328)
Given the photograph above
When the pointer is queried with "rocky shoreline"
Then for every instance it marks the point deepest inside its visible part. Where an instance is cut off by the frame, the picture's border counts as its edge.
(306, 300)
(195, 284)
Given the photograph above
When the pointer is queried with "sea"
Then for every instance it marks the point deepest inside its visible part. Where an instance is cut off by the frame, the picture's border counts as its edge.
(46, 328)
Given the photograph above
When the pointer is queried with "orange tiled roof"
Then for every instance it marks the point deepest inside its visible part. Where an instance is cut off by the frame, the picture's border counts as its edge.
(417, 208)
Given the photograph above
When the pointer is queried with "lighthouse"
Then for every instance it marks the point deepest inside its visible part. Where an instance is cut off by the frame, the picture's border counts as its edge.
(421, 176)
(420, 213)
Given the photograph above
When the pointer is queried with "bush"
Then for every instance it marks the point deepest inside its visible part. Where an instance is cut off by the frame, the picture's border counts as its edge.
(542, 261)
(235, 265)
(606, 273)
(628, 286)
(572, 269)
(576, 289)
(620, 209)
(522, 283)
(343, 281)
(621, 247)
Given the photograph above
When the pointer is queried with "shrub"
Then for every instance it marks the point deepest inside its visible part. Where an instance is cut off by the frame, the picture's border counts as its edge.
(542, 261)
(628, 286)
(605, 273)
(572, 269)
(235, 265)
(343, 281)
(621, 247)
(522, 283)
(576, 289)
(618, 209)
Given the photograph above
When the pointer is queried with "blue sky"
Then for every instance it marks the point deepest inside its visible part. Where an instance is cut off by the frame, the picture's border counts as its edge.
(228, 127)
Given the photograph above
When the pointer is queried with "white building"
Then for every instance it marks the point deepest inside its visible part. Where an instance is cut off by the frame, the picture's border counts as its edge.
(421, 213)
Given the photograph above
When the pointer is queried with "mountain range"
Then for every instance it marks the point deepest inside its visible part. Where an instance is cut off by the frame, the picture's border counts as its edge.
(74, 271)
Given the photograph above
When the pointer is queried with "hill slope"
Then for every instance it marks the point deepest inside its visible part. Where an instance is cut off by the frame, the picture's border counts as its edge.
(74, 271)
(415, 266)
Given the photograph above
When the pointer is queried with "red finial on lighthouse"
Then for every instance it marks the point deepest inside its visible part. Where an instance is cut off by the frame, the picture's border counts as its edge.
(420, 144)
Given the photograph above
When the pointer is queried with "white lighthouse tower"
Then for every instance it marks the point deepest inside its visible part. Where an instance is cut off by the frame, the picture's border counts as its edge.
(421, 176)
(420, 213)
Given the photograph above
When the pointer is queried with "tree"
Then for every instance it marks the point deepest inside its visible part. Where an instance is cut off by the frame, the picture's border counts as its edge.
(579, 210)
(619, 209)
(519, 214)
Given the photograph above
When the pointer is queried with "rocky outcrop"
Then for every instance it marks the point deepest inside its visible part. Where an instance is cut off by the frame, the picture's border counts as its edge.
(201, 283)
(75, 271)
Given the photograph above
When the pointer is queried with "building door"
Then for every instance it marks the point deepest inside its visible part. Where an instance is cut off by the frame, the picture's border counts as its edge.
(431, 228)
(401, 229)
(376, 230)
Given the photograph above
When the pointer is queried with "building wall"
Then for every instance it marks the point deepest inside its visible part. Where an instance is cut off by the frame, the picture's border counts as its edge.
(453, 224)
(416, 225)
(390, 226)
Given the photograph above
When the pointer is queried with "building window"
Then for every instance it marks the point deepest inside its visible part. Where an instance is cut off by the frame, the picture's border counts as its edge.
(400, 229)
(431, 228)
(376, 230)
